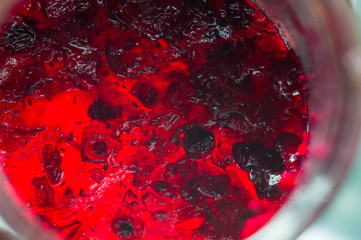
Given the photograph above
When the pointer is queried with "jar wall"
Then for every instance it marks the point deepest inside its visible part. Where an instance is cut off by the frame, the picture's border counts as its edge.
(324, 35)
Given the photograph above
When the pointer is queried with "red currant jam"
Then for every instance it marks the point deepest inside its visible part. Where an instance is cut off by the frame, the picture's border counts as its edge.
(151, 119)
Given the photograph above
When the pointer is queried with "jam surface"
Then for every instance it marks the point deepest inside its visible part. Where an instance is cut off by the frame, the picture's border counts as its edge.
(150, 119)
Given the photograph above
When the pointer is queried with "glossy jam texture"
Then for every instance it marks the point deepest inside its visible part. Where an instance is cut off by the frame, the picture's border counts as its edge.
(150, 119)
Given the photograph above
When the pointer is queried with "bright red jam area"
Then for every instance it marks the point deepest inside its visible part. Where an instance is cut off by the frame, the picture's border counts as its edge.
(153, 119)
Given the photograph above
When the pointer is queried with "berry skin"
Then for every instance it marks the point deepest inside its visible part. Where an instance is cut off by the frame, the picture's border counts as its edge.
(198, 142)
(268, 159)
(175, 95)
(18, 38)
(146, 94)
(254, 156)
(266, 183)
(131, 56)
(123, 228)
(197, 190)
(43, 191)
(52, 162)
(100, 110)
(160, 186)
(286, 73)
(127, 226)
(266, 173)
(24, 82)
(287, 142)
(100, 148)
(242, 151)
(264, 166)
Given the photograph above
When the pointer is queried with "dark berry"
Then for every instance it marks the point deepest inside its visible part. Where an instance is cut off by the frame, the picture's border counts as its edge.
(127, 227)
(100, 110)
(160, 186)
(123, 228)
(146, 94)
(68, 191)
(265, 166)
(52, 162)
(100, 148)
(266, 173)
(198, 142)
(242, 151)
(268, 159)
(17, 38)
(266, 184)
(175, 95)
(105, 167)
(81, 192)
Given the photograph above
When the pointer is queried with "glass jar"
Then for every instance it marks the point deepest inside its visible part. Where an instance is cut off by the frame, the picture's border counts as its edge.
(323, 34)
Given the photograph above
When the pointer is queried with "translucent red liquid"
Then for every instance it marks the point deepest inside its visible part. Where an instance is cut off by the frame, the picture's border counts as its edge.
(150, 119)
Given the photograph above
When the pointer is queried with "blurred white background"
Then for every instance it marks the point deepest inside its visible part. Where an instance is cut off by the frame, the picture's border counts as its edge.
(342, 218)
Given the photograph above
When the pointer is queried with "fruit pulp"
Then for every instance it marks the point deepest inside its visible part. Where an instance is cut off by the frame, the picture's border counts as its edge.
(150, 119)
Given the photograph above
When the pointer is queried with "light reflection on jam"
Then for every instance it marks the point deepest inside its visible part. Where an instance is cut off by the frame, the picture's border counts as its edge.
(150, 119)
